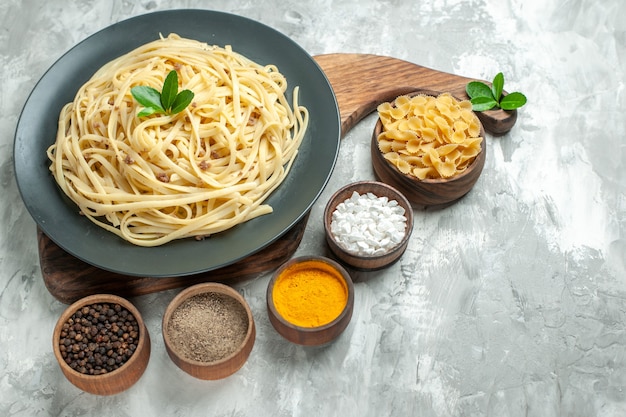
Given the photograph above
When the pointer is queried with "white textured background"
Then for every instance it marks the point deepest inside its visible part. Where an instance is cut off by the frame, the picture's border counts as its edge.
(509, 303)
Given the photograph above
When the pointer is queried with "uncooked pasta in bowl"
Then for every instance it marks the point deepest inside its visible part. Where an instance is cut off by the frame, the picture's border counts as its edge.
(430, 147)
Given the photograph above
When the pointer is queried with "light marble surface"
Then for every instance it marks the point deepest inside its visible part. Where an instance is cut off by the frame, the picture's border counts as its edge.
(509, 303)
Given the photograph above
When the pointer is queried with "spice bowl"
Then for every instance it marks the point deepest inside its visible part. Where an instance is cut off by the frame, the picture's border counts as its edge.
(368, 225)
(431, 191)
(101, 344)
(310, 300)
(209, 331)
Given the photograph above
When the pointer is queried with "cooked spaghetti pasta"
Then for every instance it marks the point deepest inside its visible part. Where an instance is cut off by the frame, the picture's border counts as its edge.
(155, 179)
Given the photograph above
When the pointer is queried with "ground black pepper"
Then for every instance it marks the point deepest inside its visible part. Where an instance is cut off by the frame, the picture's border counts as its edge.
(208, 327)
(99, 338)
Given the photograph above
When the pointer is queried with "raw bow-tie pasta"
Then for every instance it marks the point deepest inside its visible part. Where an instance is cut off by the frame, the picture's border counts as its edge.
(429, 137)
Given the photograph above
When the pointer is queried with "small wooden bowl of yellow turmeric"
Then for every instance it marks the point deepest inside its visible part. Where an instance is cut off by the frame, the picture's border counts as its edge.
(310, 300)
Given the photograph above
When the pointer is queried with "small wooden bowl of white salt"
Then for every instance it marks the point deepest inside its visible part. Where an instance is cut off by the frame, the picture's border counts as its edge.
(368, 225)
(209, 331)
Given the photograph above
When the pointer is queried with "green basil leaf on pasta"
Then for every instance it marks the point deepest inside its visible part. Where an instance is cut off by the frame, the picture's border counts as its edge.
(181, 101)
(170, 89)
(147, 97)
(147, 111)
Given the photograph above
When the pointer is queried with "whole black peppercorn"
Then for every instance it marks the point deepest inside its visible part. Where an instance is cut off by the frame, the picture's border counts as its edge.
(92, 340)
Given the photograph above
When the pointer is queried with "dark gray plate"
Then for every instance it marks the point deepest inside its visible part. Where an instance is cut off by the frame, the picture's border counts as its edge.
(58, 217)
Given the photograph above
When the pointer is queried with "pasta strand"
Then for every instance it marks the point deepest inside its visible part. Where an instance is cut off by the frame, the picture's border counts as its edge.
(192, 174)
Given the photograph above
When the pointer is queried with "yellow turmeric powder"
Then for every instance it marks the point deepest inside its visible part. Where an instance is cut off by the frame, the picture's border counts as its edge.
(310, 294)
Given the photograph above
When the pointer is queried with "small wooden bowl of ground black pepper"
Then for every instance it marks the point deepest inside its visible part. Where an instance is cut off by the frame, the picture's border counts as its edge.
(101, 344)
(209, 331)
(310, 300)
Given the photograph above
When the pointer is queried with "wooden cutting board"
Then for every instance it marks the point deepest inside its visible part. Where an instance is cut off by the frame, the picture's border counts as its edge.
(360, 83)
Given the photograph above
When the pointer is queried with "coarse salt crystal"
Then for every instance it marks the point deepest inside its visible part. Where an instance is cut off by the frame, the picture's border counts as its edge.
(368, 225)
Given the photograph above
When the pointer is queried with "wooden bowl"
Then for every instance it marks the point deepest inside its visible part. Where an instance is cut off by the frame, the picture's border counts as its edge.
(427, 192)
(311, 335)
(117, 380)
(191, 324)
(363, 262)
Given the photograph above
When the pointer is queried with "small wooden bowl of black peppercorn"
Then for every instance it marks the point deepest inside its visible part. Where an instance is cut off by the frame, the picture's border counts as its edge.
(101, 344)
